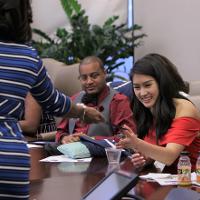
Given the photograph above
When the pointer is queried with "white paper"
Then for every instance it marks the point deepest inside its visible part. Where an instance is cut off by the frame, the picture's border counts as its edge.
(34, 146)
(64, 158)
(110, 143)
(193, 177)
(39, 142)
(171, 180)
(154, 176)
(159, 165)
(166, 179)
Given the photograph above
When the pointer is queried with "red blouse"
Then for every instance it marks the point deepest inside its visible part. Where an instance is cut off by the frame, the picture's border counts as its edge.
(183, 131)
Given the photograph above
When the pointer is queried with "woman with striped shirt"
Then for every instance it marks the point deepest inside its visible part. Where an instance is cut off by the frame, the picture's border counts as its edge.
(21, 71)
(36, 123)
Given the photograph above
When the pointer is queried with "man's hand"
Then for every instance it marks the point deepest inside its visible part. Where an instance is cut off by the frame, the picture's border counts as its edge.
(71, 138)
(91, 115)
(84, 113)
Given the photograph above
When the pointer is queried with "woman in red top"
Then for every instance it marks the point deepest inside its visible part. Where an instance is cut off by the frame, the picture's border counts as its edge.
(167, 122)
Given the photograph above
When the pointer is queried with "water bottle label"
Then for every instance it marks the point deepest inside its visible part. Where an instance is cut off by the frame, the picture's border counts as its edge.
(198, 175)
(184, 177)
(198, 171)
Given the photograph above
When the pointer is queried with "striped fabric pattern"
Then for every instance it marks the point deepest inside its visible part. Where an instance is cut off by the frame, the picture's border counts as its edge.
(47, 124)
(21, 70)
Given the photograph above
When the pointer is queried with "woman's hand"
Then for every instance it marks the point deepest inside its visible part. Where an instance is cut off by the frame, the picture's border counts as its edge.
(130, 140)
(138, 160)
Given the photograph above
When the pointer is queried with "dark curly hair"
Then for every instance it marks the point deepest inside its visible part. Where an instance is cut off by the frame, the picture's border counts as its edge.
(15, 19)
(170, 83)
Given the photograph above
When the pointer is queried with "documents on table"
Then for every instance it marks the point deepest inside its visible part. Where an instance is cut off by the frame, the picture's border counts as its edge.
(34, 146)
(64, 158)
(166, 179)
(159, 165)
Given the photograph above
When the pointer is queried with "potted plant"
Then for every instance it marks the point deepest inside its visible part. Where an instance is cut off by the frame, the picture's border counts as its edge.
(109, 42)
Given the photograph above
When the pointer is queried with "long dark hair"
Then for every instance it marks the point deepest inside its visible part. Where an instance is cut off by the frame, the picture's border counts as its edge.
(15, 19)
(169, 83)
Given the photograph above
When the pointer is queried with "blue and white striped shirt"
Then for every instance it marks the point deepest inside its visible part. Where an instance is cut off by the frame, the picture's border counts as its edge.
(21, 71)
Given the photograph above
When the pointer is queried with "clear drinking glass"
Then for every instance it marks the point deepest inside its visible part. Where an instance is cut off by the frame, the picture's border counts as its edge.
(113, 155)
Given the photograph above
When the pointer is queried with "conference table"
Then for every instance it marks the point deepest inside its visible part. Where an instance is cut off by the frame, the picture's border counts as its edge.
(72, 181)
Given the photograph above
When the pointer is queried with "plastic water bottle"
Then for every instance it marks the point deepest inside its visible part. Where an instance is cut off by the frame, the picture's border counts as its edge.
(198, 168)
(184, 169)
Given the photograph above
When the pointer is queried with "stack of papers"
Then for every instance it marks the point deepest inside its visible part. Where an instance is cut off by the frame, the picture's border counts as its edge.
(166, 179)
(64, 158)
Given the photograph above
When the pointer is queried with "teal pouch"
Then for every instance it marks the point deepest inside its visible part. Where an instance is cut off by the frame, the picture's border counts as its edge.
(74, 150)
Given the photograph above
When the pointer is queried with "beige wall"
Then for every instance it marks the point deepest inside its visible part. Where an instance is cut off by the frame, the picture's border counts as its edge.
(173, 30)
(49, 14)
(172, 26)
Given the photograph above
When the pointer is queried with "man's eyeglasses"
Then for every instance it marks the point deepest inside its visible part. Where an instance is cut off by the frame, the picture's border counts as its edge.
(93, 76)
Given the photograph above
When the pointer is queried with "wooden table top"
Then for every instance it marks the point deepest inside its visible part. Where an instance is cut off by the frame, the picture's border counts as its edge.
(72, 181)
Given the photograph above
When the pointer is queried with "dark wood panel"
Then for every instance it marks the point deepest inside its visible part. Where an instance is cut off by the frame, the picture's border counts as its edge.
(72, 180)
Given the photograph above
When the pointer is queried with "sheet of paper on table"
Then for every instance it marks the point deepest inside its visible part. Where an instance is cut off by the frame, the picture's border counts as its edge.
(166, 179)
(34, 146)
(64, 158)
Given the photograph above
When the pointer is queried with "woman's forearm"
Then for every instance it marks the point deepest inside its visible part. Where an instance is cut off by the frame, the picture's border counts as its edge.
(166, 155)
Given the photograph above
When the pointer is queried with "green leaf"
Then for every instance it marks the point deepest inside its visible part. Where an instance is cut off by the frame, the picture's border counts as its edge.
(110, 21)
(70, 7)
(42, 35)
(109, 42)
(66, 7)
(75, 5)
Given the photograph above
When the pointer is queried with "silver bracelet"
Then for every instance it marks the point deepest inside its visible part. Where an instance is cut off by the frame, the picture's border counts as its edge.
(84, 111)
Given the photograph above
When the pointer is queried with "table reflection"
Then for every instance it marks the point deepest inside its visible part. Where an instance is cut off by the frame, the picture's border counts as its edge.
(39, 170)
(73, 180)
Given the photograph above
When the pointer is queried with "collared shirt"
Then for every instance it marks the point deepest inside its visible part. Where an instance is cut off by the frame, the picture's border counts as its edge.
(120, 113)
